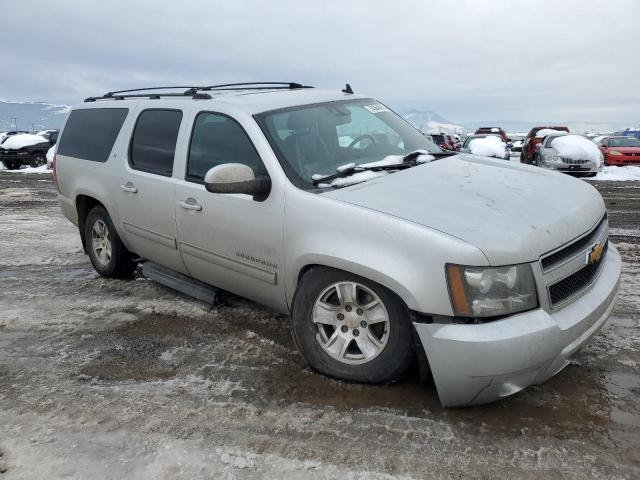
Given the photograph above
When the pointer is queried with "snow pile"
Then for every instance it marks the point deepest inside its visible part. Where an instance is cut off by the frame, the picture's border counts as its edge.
(619, 174)
(50, 154)
(490, 146)
(40, 169)
(548, 131)
(576, 147)
(16, 142)
(357, 177)
(391, 160)
(517, 144)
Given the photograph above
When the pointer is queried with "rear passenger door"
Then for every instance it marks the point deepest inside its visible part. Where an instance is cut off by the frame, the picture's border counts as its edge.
(146, 187)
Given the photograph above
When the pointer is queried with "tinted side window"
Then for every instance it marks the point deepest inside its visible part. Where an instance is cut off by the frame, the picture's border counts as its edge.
(90, 134)
(154, 141)
(218, 139)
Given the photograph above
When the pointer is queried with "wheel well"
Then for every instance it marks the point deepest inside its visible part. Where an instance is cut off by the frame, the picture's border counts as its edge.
(84, 204)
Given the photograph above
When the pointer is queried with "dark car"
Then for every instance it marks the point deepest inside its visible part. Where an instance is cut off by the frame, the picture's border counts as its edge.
(11, 133)
(444, 141)
(25, 149)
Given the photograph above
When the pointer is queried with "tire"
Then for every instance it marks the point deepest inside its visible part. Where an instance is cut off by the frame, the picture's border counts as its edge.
(11, 165)
(384, 362)
(108, 255)
(38, 159)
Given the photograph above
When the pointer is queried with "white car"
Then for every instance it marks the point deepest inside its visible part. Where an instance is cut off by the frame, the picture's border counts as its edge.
(570, 153)
(330, 207)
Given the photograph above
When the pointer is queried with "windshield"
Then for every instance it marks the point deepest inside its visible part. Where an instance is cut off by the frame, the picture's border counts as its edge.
(624, 142)
(315, 140)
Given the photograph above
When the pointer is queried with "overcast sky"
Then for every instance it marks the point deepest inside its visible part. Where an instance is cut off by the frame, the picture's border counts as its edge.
(467, 60)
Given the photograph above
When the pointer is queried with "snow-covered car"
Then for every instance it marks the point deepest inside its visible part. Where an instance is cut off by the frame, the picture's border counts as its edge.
(569, 153)
(486, 145)
(24, 149)
(379, 253)
(5, 135)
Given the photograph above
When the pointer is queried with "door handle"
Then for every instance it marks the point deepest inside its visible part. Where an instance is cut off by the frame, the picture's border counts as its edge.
(129, 188)
(190, 204)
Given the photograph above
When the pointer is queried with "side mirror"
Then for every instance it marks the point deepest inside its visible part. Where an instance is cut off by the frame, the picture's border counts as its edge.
(237, 178)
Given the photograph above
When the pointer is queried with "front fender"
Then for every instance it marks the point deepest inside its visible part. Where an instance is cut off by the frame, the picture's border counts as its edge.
(407, 258)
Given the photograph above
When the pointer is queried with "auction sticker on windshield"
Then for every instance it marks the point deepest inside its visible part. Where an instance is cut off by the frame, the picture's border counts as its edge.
(376, 108)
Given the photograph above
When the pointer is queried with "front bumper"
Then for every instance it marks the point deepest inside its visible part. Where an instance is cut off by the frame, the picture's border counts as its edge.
(14, 157)
(572, 168)
(623, 160)
(476, 364)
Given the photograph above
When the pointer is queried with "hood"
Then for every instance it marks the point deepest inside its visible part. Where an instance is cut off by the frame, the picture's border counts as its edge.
(514, 213)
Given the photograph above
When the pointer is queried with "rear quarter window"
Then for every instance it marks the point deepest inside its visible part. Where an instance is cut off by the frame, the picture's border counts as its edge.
(89, 134)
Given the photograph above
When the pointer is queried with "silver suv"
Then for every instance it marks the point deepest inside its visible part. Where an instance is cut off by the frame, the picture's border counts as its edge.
(329, 206)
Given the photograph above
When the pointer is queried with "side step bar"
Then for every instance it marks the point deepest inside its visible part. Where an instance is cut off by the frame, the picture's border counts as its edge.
(177, 281)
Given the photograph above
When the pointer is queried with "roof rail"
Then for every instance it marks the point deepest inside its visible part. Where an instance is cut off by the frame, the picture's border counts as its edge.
(194, 92)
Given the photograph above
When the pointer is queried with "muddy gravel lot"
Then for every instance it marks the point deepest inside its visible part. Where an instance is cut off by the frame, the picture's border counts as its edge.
(127, 379)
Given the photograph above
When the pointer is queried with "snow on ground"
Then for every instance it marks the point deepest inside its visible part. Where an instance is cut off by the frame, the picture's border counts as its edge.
(104, 379)
(490, 146)
(619, 174)
(40, 169)
(576, 147)
(20, 140)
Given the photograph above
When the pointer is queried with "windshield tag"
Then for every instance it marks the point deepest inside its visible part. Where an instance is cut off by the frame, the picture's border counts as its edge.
(376, 108)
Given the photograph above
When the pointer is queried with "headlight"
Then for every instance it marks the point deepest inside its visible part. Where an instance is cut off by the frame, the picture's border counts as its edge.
(614, 152)
(491, 291)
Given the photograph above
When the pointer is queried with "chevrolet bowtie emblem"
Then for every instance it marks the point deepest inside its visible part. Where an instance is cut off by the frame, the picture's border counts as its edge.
(595, 253)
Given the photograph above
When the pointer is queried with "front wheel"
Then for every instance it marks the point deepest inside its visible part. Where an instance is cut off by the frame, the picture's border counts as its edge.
(108, 255)
(351, 328)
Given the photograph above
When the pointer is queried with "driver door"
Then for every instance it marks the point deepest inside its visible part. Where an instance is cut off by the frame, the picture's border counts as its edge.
(230, 241)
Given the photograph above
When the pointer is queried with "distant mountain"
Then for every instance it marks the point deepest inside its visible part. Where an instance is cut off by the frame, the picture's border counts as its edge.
(430, 122)
(32, 115)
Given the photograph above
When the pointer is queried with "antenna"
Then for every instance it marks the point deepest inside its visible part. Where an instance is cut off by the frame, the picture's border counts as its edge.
(347, 89)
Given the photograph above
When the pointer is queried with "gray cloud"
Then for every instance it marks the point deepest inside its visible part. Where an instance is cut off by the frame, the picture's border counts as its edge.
(466, 59)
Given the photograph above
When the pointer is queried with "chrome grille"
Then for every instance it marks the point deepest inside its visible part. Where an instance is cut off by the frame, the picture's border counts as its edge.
(576, 282)
(570, 251)
(570, 161)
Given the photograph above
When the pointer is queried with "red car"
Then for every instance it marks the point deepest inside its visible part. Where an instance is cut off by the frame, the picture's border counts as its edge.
(620, 150)
(528, 153)
(494, 131)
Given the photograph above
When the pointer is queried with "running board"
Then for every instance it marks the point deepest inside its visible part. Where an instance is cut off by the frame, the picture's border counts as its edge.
(177, 281)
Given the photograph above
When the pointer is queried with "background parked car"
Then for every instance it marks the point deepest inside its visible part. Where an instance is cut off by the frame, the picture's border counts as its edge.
(496, 131)
(620, 150)
(5, 135)
(569, 153)
(24, 149)
(444, 141)
(486, 145)
(534, 137)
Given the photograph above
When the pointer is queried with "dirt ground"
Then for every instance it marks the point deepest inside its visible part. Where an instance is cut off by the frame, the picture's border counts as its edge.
(107, 379)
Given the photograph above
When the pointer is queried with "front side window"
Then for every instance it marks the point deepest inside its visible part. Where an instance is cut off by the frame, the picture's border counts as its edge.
(315, 140)
(153, 145)
(218, 139)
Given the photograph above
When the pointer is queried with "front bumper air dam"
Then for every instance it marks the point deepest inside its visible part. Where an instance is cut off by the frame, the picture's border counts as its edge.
(476, 364)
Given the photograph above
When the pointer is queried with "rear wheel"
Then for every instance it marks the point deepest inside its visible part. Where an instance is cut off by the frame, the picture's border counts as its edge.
(37, 159)
(108, 255)
(348, 327)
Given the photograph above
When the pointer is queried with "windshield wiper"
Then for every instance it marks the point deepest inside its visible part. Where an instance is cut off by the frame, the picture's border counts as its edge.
(409, 160)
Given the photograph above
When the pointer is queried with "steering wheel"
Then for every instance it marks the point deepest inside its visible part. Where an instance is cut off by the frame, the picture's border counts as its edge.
(358, 140)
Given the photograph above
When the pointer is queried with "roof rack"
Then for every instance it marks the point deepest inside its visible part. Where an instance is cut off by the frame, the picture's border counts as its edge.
(195, 92)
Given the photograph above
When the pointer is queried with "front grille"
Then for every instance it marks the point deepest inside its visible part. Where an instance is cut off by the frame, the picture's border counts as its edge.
(571, 250)
(576, 282)
(570, 161)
